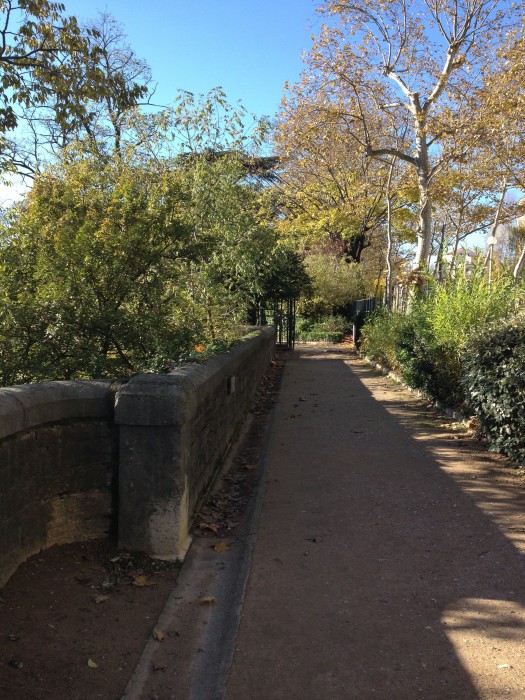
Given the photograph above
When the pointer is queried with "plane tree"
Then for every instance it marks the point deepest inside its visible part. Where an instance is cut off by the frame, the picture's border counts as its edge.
(411, 63)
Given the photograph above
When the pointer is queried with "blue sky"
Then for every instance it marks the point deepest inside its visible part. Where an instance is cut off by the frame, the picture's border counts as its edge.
(249, 47)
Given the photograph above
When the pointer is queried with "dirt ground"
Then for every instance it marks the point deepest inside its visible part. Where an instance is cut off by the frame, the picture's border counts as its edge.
(75, 618)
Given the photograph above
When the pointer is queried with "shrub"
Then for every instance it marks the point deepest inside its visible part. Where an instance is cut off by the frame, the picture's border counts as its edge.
(335, 283)
(381, 336)
(494, 382)
(428, 364)
(329, 329)
(427, 345)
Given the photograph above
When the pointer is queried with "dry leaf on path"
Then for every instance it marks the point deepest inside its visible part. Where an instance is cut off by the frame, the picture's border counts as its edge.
(159, 635)
(100, 598)
(221, 547)
(92, 664)
(208, 600)
(140, 581)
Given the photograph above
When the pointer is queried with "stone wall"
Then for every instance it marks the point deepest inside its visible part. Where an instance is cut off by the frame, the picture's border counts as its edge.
(174, 432)
(58, 466)
(74, 454)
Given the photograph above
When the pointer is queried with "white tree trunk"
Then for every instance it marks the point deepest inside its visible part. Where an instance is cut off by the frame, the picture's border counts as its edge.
(424, 233)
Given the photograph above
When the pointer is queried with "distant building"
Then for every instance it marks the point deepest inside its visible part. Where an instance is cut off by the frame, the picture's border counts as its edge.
(463, 258)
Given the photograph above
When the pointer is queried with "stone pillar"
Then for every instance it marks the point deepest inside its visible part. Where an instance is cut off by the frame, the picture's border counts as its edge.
(175, 431)
(154, 415)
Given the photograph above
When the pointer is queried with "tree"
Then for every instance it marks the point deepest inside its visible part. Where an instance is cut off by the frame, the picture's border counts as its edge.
(40, 50)
(410, 61)
(92, 256)
(327, 188)
(122, 263)
(108, 82)
(499, 110)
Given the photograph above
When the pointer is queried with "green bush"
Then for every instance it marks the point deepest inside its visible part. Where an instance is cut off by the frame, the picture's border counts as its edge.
(381, 335)
(329, 329)
(429, 364)
(494, 382)
(335, 283)
(427, 345)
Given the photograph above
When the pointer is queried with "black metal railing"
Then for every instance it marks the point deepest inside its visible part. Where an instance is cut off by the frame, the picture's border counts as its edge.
(358, 313)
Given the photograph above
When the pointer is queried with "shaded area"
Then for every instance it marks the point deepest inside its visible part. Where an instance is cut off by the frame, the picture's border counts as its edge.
(73, 604)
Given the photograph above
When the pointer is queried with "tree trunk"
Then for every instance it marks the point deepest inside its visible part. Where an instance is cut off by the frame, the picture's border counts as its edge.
(439, 273)
(424, 233)
(389, 285)
(519, 265)
(353, 247)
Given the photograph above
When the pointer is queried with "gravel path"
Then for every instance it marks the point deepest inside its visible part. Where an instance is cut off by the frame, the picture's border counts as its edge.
(389, 557)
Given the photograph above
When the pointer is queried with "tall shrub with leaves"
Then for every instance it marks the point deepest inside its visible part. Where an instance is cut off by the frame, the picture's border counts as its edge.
(381, 335)
(495, 385)
(96, 248)
(428, 345)
(443, 322)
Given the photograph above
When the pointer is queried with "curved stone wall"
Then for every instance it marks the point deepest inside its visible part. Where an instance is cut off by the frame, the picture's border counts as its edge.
(58, 466)
(80, 458)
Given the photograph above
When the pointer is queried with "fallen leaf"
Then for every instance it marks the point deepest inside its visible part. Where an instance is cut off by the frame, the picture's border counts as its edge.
(209, 526)
(221, 547)
(100, 598)
(158, 635)
(208, 600)
(114, 560)
(140, 581)
(92, 664)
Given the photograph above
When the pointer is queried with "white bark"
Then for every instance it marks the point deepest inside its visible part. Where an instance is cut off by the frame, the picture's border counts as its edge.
(390, 241)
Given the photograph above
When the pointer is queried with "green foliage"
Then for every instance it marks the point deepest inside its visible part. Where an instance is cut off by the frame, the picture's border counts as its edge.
(54, 82)
(335, 284)
(494, 383)
(38, 43)
(329, 329)
(283, 275)
(120, 266)
(457, 308)
(381, 334)
(209, 123)
(428, 344)
(427, 364)
(85, 256)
